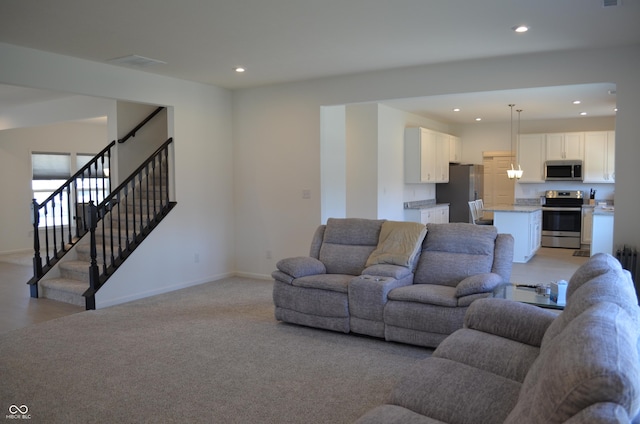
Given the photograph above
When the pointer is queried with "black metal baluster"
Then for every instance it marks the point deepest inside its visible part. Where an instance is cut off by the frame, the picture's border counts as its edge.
(94, 272)
(46, 234)
(37, 260)
(126, 213)
(70, 213)
(140, 198)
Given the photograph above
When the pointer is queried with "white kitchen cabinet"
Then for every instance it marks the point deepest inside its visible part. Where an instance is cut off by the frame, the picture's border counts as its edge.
(531, 157)
(442, 158)
(565, 146)
(455, 149)
(434, 215)
(602, 233)
(599, 157)
(426, 156)
(419, 155)
(587, 225)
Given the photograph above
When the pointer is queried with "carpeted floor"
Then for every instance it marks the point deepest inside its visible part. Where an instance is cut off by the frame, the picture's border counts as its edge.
(207, 354)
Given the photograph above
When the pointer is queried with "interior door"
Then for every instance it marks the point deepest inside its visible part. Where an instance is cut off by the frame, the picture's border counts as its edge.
(498, 188)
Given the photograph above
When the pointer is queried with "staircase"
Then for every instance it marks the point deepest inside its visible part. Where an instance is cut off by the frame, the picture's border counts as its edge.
(75, 275)
(105, 234)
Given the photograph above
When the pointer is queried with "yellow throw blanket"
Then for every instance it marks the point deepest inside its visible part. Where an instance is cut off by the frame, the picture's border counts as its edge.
(398, 244)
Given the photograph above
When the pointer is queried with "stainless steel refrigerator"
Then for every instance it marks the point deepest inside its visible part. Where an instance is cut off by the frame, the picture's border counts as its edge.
(466, 183)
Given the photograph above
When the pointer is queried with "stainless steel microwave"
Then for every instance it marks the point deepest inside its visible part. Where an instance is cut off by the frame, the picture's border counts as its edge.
(563, 170)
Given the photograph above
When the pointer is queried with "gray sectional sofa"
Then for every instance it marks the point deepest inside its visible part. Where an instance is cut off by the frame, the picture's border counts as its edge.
(516, 363)
(394, 280)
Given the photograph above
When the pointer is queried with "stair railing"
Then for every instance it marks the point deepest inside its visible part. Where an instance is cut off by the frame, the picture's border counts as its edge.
(126, 216)
(78, 199)
(63, 226)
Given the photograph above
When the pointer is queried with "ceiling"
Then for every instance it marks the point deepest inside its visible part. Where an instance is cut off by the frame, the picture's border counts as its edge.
(291, 40)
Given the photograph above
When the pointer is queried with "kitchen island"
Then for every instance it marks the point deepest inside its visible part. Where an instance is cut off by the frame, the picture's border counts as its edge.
(524, 223)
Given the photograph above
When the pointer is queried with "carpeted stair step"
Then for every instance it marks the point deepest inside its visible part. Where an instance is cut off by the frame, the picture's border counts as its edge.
(63, 290)
(75, 270)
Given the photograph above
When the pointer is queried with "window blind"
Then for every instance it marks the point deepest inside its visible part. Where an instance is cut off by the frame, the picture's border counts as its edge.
(51, 166)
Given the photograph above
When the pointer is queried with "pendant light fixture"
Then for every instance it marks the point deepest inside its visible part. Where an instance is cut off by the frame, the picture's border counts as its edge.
(519, 171)
(514, 173)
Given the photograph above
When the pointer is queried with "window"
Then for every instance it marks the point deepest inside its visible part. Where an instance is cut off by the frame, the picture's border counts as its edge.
(50, 171)
(94, 184)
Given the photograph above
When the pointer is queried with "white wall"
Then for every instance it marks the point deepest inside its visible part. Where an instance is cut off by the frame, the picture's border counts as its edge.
(16, 146)
(203, 221)
(147, 139)
(287, 119)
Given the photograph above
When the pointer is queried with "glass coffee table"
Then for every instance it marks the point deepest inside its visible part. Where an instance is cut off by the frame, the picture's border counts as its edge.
(525, 293)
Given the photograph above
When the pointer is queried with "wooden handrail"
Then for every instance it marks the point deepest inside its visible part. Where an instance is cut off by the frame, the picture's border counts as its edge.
(133, 132)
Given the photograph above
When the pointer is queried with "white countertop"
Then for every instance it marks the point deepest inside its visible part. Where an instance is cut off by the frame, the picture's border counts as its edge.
(520, 209)
(603, 210)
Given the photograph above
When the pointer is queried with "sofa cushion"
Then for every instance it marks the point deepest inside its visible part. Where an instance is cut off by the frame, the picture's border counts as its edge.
(452, 252)
(348, 243)
(398, 244)
(331, 282)
(426, 293)
(498, 355)
(593, 360)
(455, 393)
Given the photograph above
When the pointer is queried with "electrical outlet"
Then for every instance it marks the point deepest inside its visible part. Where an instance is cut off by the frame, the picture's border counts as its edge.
(196, 258)
(306, 193)
(268, 254)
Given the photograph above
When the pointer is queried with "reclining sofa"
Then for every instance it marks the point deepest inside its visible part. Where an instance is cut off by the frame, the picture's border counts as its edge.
(517, 363)
(395, 280)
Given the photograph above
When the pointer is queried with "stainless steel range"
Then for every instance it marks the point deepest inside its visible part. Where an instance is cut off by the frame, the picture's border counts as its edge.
(562, 218)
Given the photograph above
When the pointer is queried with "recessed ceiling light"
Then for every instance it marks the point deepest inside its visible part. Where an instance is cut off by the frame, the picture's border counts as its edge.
(239, 69)
(583, 113)
(456, 109)
(520, 28)
(478, 119)
(576, 102)
(615, 109)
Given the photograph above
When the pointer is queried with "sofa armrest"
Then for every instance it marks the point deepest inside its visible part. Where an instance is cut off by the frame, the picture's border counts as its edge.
(479, 283)
(301, 266)
(368, 295)
(388, 270)
(509, 319)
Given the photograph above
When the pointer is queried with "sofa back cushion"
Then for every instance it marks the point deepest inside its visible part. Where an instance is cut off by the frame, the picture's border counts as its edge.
(601, 279)
(347, 244)
(594, 360)
(451, 252)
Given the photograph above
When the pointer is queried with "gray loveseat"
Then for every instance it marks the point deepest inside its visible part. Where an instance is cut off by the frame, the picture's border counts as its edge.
(516, 363)
(343, 286)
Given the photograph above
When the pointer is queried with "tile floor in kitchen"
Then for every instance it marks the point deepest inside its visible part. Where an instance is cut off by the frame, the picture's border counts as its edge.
(18, 310)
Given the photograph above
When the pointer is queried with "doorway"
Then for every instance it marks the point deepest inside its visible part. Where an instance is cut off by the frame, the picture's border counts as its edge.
(498, 188)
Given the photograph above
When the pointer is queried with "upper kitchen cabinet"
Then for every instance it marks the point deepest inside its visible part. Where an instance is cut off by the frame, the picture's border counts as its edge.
(442, 157)
(599, 157)
(531, 156)
(426, 156)
(455, 149)
(565, 146)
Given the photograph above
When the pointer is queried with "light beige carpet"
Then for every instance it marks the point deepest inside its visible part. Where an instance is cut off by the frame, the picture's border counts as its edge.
(207, 354)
